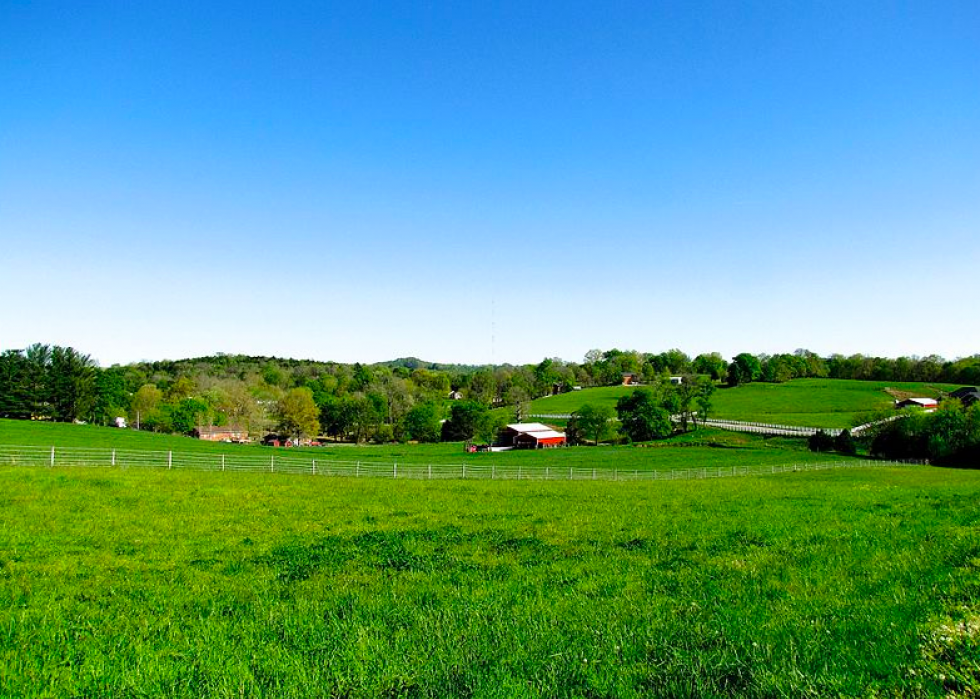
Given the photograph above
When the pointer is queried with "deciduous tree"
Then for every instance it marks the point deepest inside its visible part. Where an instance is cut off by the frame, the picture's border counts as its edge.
(594, 421)
(297, 413)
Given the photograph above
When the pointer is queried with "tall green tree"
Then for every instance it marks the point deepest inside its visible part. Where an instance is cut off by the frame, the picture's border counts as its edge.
(71, 382)
(421, 423)
(38, 387)
(144, 410)
(14, 394)
(464, 419)
(744, 368)
(641, 419)
(111, 399)
(594, 421)
(712, 365)
(297, 414)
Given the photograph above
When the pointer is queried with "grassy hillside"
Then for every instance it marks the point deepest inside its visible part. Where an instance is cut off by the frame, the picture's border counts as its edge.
(150, 583)
(572, 401)
(813, 402)
(807, 402)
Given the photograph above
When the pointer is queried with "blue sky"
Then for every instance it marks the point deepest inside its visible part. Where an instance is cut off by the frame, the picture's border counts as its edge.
(364, 181)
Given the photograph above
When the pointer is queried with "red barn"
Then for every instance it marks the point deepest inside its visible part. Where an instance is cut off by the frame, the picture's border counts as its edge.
(531, 435)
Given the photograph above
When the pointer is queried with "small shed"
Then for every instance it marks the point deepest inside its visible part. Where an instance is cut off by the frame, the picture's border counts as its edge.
(631, 379)
(927, 404)
(530, 435)
(968, 395)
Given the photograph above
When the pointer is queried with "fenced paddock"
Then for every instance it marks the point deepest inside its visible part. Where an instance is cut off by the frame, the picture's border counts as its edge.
(279, 462)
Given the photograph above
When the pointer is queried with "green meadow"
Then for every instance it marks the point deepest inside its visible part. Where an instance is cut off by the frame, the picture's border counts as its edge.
(704, 449)
(832, 403)
(814, 402)
(145, 583)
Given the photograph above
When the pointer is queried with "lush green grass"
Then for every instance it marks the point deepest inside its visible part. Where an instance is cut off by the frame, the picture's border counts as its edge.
(565, 403)
(178, 584)
(29, 433)
(808, 402)
(812, 402)
(685, 452)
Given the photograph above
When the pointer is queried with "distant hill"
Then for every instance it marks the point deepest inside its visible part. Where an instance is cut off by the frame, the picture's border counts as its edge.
(413, 363)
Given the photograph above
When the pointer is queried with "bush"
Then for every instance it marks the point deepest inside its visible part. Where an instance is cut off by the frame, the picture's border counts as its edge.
(820, 441)
(844, 443)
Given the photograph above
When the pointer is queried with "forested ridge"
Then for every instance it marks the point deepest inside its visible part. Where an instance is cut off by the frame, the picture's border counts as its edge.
(397, 400)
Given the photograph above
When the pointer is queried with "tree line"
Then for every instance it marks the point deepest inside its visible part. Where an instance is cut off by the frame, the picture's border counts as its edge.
(401, 400)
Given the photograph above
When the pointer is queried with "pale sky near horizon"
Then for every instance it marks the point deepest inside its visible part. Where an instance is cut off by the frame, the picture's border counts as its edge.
(505, 182)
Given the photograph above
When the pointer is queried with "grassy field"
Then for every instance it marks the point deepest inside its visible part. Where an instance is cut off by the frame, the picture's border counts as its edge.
(684, 452)
(830, 403)
(178, 584)
(813, 402)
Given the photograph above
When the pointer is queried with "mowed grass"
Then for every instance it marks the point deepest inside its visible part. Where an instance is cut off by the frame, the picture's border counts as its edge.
(833, 403)
(813, 402)
(179, 584)
(688, 451)
(566, 403)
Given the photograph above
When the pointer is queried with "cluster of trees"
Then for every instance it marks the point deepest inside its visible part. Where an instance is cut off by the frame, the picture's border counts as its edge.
(645, 414)
(843, 443)
(948, 436)
(51, 383)
(777, 368)
(403, 399)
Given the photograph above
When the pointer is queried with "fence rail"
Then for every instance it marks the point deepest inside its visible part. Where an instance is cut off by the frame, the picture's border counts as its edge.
(277, 462)
(737, 426)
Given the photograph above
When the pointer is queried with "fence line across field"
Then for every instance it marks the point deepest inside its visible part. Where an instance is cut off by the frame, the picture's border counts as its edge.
(765, 428)
(277, 462)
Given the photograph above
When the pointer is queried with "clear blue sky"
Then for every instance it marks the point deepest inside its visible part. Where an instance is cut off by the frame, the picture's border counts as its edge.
(363, 181)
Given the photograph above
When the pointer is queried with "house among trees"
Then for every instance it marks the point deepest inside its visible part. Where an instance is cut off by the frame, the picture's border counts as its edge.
(963, 393)
(221, 434)
(631, 379)
(968, 395)
(928, 404)
(530, 435)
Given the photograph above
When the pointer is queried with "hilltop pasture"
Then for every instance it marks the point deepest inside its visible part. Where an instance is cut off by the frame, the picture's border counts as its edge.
(183, 584)
(831, 403)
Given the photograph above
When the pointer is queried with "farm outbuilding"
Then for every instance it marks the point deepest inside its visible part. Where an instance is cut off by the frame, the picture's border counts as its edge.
(968, 395)
(924, 403)
(631, 379)
(530, 435)
(221, 434)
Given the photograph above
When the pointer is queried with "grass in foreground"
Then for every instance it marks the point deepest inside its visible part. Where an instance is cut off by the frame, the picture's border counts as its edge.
(146, 583)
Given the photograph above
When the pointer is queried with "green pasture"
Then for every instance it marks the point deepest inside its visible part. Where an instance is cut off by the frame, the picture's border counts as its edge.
(565, 403)
(813, 402)
(181, 584)
(706, 448)
(832, 403)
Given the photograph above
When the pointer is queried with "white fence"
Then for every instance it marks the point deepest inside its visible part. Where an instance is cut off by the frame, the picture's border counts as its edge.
(751, 427)
(767, 428)
(278, 462)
